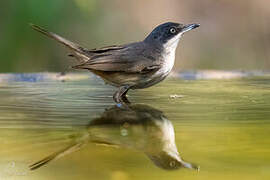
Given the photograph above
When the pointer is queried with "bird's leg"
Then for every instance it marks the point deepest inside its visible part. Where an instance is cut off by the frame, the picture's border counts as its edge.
(120, 95)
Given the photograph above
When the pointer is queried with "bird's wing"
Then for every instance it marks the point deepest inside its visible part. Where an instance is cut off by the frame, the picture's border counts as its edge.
(127, 58)
(105, 49)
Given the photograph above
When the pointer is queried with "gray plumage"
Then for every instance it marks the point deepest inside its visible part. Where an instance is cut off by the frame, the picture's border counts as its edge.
(130, 66)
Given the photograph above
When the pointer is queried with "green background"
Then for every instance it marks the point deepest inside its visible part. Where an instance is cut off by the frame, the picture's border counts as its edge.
(233, 34)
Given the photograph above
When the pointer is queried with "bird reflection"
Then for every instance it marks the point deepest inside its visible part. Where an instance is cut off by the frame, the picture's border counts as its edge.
(138, 127)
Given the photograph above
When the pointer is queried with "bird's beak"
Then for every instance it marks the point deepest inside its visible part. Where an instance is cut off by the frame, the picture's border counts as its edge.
(189, 27)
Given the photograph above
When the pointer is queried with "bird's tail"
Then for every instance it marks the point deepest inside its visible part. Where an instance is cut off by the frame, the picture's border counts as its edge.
(56, 155)
(77, 51)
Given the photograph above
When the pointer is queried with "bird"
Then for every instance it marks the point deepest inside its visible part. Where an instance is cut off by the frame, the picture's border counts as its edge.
(140, 127)
(134, 65)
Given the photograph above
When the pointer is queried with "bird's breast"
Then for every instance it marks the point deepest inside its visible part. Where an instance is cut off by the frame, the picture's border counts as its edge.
(168, 63)
(161, 74)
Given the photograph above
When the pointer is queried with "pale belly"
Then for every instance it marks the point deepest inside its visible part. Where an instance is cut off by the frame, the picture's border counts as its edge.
(151, 80)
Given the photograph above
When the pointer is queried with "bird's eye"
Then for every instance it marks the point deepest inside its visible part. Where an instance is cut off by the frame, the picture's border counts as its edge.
(172, 30)
(172, 163)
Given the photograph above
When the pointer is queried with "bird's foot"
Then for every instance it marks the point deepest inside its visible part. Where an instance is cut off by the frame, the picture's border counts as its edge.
(121, 101)
(120, 97)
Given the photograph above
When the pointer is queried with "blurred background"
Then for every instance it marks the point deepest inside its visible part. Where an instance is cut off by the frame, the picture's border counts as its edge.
(234, 35)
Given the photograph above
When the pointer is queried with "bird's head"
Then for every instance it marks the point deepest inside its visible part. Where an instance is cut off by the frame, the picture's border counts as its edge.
(167, 35)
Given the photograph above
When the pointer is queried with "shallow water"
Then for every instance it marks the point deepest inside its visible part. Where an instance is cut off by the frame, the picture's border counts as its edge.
(220, 126)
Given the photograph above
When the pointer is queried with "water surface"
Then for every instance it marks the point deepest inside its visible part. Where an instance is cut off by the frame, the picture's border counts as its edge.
(221, 126)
